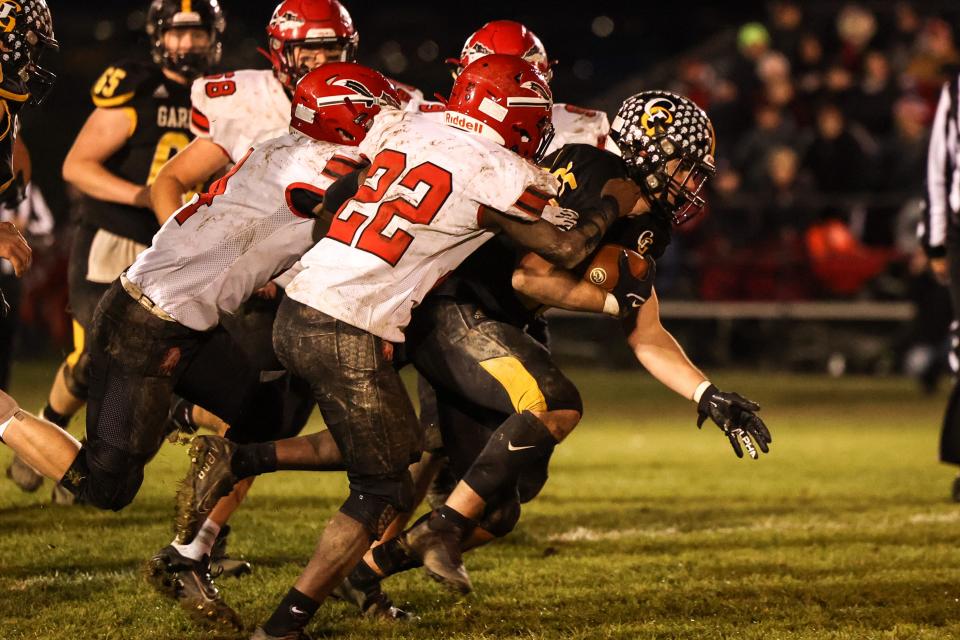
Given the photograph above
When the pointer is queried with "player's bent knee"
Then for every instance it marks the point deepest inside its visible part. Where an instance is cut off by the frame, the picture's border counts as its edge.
(105, 477)
(375, 502)
(501, 520)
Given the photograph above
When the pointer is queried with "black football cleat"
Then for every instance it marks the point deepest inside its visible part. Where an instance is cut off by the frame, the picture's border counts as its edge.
(189, 582)
(439, 550)
(221, 564)
(23, 475)
(208, 479)
(373, 603)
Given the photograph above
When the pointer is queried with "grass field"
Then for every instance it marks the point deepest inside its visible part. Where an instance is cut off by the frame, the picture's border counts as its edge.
(647, 529)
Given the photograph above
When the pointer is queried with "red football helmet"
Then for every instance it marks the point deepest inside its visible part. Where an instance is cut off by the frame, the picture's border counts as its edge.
(506, 99)
(337, 101)
(311, 23)
(507, 37)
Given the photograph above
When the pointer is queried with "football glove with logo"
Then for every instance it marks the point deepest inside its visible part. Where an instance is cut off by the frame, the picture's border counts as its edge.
(632, 291)
(737, 418)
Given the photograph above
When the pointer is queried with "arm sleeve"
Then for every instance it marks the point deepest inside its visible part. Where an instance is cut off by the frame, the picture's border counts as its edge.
(941, 166)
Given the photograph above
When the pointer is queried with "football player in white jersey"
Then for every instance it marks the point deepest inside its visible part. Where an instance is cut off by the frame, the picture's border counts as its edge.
(230, 113)
(157, 329)
(571, 124)
(432, 194)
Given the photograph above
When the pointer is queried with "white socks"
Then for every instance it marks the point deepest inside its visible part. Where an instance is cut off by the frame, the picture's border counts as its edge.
(202, 542)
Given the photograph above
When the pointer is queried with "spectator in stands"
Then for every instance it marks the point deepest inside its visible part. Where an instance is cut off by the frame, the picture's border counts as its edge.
(786, 20)
(875, 93)
(835, 158)
(935, 52)
(856, 27)
(771, 129)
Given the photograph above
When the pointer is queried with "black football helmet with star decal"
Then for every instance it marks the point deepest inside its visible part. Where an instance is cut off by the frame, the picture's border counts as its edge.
(654, 128)
(26, 32)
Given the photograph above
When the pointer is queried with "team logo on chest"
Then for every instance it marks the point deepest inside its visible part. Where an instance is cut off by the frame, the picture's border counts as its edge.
(644, 242)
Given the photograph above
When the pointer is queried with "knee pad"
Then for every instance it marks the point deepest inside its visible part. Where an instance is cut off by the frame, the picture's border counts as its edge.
(375, 502)
(502, 519)
(519, 442)
(532, 479)
(76, 376)
(104, 477)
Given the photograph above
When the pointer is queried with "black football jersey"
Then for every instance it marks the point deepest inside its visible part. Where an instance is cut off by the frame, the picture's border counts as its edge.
(159, 110)
(11, 101)
(582, 171)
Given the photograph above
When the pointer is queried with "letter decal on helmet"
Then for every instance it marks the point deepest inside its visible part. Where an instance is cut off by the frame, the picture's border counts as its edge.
(8, 21)
(288, 20)
(654, 111)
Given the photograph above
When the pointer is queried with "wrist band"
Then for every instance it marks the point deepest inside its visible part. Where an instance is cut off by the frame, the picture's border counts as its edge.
(703, 386)
(610, 305)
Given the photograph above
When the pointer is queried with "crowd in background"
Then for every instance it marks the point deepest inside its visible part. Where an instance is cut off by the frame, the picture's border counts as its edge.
(822, 116)
(822, 113)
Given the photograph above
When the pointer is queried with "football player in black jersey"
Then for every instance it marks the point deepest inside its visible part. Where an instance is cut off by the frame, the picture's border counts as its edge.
(26, 32)
(665, 144)
(140, 120)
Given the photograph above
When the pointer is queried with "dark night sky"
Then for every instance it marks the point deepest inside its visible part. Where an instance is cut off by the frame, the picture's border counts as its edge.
(407, 40)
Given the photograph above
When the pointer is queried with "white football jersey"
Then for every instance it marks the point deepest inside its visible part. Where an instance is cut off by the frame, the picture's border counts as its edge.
(576, 125)
(571, 125)
(214, 252)
(239, 109)
(413, 220)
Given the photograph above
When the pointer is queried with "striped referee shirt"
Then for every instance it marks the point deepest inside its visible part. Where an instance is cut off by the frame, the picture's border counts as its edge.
(943, 172)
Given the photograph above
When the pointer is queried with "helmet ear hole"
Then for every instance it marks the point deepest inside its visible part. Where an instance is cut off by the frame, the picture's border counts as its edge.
(653, 182)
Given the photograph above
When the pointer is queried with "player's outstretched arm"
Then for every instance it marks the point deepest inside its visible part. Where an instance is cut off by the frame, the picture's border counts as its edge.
(568, 248)
(102, 135)
(195, 165)
(553, 286)
(658, 351)
(43, 445)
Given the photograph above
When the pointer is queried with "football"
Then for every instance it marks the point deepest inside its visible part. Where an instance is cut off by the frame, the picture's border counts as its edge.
(604, 269)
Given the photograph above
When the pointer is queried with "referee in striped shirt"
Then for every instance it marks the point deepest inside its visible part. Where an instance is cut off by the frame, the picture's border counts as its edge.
(939, 233)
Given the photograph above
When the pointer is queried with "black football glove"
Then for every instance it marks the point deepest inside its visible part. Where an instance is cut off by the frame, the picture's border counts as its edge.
(737, 418)
(630, 291)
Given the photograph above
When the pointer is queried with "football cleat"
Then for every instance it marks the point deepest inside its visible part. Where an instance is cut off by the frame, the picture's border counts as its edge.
(298, 634)
(222, 565)
(373, 603)
(439, 550)
(23, 475)
(189, 582)
(208, 479)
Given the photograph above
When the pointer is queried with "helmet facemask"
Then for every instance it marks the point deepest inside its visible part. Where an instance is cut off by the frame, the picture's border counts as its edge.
(165, 17)
(667, 143)
(39, 80)
(335, 50)
(674, 188)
